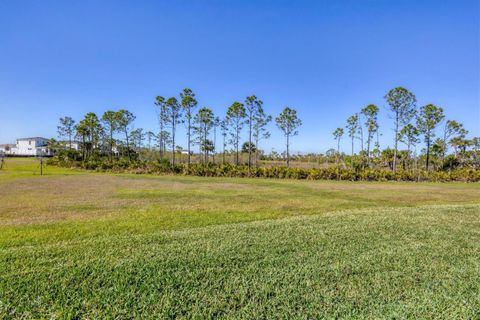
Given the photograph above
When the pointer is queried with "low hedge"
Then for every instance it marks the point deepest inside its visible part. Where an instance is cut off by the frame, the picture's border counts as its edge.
(276, 172)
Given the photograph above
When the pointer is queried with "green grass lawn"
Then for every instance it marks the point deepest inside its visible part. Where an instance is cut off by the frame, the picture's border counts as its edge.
(75, 244)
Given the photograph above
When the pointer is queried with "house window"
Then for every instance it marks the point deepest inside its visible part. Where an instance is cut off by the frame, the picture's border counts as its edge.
(29, 142)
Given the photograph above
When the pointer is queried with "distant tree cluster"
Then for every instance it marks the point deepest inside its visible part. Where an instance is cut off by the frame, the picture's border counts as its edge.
(104, 134)
(410, 126)
(112, 135)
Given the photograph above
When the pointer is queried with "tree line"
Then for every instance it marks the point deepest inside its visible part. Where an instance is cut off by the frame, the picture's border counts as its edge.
(96, 133)
(111, 134)
(411, 124)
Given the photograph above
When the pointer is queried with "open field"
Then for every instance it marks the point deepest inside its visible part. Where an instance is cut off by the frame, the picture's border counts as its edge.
(75, 244)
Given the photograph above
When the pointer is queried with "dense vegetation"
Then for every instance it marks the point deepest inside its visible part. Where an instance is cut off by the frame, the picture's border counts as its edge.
(277, 172)
(108, 143)
(75, 244)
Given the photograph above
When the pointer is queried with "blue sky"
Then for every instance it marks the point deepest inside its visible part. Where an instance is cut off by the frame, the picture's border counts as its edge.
(327, 59)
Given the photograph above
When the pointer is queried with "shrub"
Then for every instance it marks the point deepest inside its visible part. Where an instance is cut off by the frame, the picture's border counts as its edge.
(276, 172)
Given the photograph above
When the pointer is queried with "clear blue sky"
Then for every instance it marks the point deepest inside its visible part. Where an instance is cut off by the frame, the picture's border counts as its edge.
(325, 58)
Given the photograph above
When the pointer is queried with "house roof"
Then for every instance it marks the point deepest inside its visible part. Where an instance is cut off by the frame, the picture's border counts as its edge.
(32, 138)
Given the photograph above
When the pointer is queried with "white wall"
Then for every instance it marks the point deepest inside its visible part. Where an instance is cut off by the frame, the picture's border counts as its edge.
(31, 147)
(11, 150)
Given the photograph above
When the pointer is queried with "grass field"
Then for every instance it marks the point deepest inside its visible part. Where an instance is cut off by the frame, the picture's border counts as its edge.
(75, 244)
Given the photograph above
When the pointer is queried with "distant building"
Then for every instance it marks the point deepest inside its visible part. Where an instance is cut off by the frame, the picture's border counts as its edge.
(8, 148)
(34, 146)
(75, 145)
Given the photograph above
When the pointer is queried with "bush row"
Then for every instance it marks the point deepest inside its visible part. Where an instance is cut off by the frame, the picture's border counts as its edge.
(277, 172)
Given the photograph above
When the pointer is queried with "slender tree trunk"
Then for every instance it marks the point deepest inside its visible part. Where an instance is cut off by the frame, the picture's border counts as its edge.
(237, 141)
(256, 152)
(205, 144)
(353, 145)
(408, 153)
(428, 154)
(188, 133)
(361, 137)
(396, 145)
(368, 147)
(415, 159)
(83, 147)
(223, 160)
(353, 150)
(161, 142)
(288, 150)
(111, 144)
(128, 145)
(214, 142)
(444, 145)
(249, 143)
(338, 149)
(237, 138)
(173, 142)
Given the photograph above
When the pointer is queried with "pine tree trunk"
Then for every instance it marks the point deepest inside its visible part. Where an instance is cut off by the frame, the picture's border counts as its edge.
(128, 147)
(214, 143)
(428, 154)
(288, 151)
(368, 147)
(256, 153)
(353, 138)
(250, 145)
(205, 144)
(111, 144)
(189, 128)
(396, 145)
(173, 143)
(161, 143)
(338, 150)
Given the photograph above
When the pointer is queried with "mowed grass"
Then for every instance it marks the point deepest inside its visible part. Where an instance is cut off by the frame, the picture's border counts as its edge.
(81, 245)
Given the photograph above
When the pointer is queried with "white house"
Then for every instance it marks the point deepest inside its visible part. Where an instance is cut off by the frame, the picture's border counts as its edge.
(8, 149)
(35, 146)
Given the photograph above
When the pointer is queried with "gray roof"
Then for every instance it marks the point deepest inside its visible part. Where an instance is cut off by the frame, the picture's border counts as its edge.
(32, 138)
